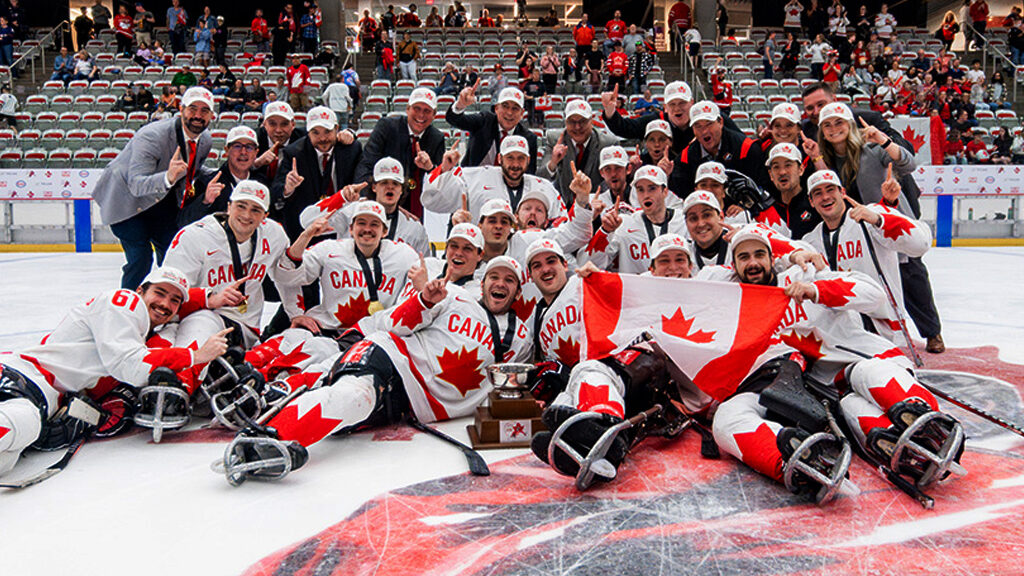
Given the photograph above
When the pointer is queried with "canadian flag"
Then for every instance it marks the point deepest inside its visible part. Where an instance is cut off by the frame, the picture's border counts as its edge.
(715, 332)
(926, 135)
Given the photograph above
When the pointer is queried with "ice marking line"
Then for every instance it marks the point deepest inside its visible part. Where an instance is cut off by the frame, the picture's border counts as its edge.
(452, 518)
(1008, 482)
(904, 531)
(999, 252)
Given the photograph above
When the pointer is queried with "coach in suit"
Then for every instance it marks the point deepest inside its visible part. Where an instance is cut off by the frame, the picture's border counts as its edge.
(314, 168)
(578, 143)
(275, 132)
(213, 192)
(141, 191)
(487, 129)
(410, 139)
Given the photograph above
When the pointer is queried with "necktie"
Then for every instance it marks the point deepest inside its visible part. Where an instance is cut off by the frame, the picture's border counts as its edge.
(330, 177)
(190, 172)
(580, 149)
(272, 169)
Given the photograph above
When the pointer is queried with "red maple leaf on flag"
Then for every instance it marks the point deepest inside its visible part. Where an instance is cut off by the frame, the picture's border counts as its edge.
(912, 137)
(309, 429)
(595, 399)
(834, 292)
(809, 345)
(894, 226)
(408, 313)
(568, 351)
(353, 311)
(461, 369)
(679, 326)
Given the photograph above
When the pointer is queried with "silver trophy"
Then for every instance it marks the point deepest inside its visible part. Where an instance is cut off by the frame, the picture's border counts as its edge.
(509, 379)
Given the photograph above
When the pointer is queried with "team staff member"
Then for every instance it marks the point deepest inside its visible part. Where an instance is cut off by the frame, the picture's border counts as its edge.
(213, 192)
(714, 142)
(488, 128)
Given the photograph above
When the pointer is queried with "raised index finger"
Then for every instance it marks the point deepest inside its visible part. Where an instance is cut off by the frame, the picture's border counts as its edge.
(476, 84)
(224, 332)
(572, 167)
(295, 164)
(851, 201)
(888, 172)
(862, 122)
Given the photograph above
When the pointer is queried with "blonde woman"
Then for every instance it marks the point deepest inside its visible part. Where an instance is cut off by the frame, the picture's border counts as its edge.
(860, 154)
(949, 29)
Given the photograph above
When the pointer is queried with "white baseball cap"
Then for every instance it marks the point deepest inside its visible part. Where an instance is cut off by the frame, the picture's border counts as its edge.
(505, 262)
(536, 194)
(835, 110)
(169, 275)
(786, 111)
(613, 156)
(543, 246)
(678, 90)
(496, 206)
(387, 168)
(821, 178)
(751, 232)
(667, 242)
(372, 209)
(578, 107)
(784, 150)
(469, 232)
(321, 116)
(280, 109)
(423, 96)
(252, 191)
(701, 197)
(650, 173)
(658, 126)
(513, 143)
(713, 170)
(197, 94)
(240, 133)
(704, 110)
(511, 94)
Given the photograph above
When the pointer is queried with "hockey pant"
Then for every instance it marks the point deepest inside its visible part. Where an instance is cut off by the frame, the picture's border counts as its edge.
(742, 429)
(363, 390)
(21, 416)
(876, 385)
(594, 387)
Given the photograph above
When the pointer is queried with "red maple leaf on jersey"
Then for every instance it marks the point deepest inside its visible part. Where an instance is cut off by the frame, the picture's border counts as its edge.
(834, 292)
(679, 326)
(408, 313)
(912, 137)
(809, 345)
(301, 301)
(523, 308)
(461, 369)
(353, 311)
(894, 226)
(308, 429)
(176, 359)
(568, 351)
(769, 217)
(286, 362)
(598, 242)
(595, 399)
(4, 431)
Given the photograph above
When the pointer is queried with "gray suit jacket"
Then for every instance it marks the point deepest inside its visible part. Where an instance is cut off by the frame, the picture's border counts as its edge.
(562, 175)
(134, 181)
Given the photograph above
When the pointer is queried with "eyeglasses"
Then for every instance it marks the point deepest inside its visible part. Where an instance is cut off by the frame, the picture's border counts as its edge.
(247, 147)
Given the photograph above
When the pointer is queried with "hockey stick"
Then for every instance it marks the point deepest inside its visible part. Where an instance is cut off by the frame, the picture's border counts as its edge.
(954, 400)
(51, 470)
(477, 466)
(892, 298)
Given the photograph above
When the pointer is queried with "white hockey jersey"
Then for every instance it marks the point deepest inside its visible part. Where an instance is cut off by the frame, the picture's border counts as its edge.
(201, 251)
(443, 191)
(630, 244)
(558, 327)
(571, 235)
(344, 295)
(105, 337)
(401, 228)
(847, 248)
(720, 254)
(443, 352)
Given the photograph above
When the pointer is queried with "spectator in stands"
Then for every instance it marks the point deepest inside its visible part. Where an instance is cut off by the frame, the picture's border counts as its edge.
(815, 19)
(298, 78)
(645, 103)
(410, 139)
(885, 24)
(533, 90)
(977, 150)
(338, 98)
(837, 24)
(63, 66)
(8, 107)
(169, 99)
(145, 100)
(388, 19)
(485, 20)
(185, 77)
(830, 71)
(139, 192)
(123, 31)
(7, 44)
(207, 17)
(271, 97)
(177, 26)
(791, 49)
(202, 36)
(953, 148)
(549, 64)
(156, 51)
(213, 190)
(1015, 36)
(1002, 146)
(997, 91)
(259, 32)
(100, 16)
(409, 19)
(583, 35)
(629, 41)
(283, 35)
(817, 51)
(640, 64)
(792, 12)
(17, 20)
(385, 64)
(449, 80)
(615, 31)
(618, 68)
(549, 21)
(578, 143)
(204, 79)
(224, 81)
(309, 32)
(948, 30)
(594, 65)
(368, 32)
(408, 55)
(234, 99)
(767, 50)
(219, 41)
(255, 95)
(497, 82)
(434, 19)
(572, 71)
(143, 24)
(1017, 149)
(85, 67)
(83, 29)
(979, 20)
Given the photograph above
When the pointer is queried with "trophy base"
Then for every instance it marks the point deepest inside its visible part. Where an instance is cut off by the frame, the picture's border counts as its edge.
(488, 432)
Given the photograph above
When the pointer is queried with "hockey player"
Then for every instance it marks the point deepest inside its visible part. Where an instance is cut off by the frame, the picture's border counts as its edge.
(871, 239)
(431, 365)
(671, 257)
(557, 318)
(881, 403)
(444, 187)
(713, 177)
(222, 248)
(625, 240)
(358, 276)
(462, 254)
(388, 179)
(97, 343)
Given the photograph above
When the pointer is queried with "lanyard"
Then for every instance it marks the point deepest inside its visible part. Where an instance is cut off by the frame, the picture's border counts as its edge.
(372, 280)
(236, 259)
(720, 248)
(515, 194)
(460, 282)
(830, 238)
(538, 319)
(650, 226)
(392, 224)
(502, 346)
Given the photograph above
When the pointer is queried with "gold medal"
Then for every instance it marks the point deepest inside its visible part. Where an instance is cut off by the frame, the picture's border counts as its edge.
(244, 306)
(374, 307)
